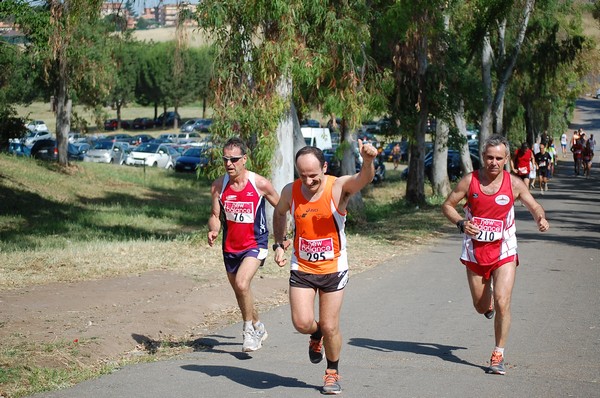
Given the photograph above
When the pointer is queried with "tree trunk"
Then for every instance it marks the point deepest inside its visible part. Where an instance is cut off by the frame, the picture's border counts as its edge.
(298, 142)
(459, 120)
(415, 186)
(63, 111)
(282, 164)
(119, 106)
(440, 182)
(505, 74)
(486, 77)
(356, 205)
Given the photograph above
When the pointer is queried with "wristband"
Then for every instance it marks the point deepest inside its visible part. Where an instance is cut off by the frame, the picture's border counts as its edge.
(277, 245)
(461, 226)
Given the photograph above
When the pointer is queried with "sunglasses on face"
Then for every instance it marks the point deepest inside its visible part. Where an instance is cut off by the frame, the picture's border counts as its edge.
(232, 159)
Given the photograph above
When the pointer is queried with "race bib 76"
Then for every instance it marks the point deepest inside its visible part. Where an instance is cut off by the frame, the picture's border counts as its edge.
(240, 212)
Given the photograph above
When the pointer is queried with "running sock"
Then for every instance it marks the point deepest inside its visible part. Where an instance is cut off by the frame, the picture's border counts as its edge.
(257, 325)
(333, 365)
(317, 335)
(248, 325)
(500, 350)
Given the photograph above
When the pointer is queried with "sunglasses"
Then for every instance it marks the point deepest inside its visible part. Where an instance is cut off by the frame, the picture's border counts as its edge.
(232, 159)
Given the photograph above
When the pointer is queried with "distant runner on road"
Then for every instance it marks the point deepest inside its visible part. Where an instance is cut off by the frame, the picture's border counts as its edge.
(490, 243)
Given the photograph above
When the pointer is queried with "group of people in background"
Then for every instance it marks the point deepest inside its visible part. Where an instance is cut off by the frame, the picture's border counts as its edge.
(537, 164)
(582, 148)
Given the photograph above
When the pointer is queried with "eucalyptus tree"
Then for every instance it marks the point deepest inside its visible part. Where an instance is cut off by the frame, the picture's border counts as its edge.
(500, 30)
(406, 39)
(548, 75)
(60, 38)
(265, 51)
(73, 57)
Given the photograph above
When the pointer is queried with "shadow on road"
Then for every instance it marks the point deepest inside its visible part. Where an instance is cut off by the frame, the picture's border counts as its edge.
(204, 344)
(250, 378)
(444, 352)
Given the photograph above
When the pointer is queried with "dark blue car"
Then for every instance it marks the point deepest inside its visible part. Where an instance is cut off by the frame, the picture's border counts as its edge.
(193, 158)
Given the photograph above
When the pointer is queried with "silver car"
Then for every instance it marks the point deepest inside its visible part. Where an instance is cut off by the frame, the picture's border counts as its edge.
(107, 151)
(153, 155)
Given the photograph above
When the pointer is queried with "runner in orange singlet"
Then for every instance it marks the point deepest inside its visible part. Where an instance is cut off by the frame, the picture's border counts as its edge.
(319, 262)
(489, 243)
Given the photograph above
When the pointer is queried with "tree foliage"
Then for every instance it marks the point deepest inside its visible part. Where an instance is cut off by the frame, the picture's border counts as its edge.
(319, 45)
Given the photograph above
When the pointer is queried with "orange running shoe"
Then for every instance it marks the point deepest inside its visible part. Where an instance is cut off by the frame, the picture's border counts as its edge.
(332, 384)
(497, 363)
(315, 350)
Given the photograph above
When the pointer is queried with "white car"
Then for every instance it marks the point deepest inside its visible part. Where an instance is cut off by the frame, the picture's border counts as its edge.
(107, 151)
(153, 155)
(37, 125)
(33, 136)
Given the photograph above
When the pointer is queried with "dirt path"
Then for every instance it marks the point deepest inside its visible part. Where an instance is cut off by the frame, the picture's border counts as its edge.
(116, 317)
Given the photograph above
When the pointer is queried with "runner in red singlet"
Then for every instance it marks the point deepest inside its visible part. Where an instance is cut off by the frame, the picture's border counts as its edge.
(319, 263)
(489, 240)
(238, 198)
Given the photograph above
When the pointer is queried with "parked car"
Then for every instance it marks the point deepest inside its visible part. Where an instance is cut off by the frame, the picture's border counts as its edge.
(310, 123)
(34, 136)
(188, 137)
(191, 125)
(140, 139)
(47, 150)
(204, 125)
(37, 125)
(167, 119)
(19, 149)
(192, 159)
(454, 170)
(153, 155)
(143, 123)
(107, 151)
(161, 141)
(82, 148)
(113, 124)
(168, 136)
(120, 137)
(77, 137)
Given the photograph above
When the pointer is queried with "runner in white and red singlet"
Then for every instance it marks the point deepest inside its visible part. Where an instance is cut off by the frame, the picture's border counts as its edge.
(490, 244)
(238, 198)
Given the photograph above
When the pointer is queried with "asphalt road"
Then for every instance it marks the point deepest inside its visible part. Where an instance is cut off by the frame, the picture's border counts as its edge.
(410, 329)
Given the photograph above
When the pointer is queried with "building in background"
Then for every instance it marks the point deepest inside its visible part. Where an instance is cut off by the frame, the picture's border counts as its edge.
(167, 13)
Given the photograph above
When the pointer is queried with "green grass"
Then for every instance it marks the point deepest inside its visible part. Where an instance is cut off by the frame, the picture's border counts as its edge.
(44, 208)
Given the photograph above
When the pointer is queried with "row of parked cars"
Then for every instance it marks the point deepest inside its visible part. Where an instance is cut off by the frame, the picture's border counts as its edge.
(181, 151)
(166, 119)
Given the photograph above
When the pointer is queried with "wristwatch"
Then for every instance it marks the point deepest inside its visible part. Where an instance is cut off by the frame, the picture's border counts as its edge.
(461, 226)
(276, 245)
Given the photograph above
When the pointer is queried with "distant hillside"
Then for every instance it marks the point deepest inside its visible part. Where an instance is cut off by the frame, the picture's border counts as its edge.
(196, 37)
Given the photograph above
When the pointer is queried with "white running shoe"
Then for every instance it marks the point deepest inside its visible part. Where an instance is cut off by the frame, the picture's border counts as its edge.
(251, 341)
